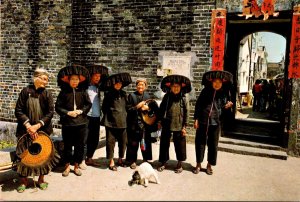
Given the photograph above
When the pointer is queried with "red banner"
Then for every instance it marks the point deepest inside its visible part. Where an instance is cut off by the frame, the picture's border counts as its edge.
(219, 30)
(294, 66)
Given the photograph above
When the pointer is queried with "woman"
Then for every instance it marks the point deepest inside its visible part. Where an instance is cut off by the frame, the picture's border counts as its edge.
(97, 74)
(137, 130)
(114, 117)
(209, 107)
(72, 105)
(34, 111)
(174, 110)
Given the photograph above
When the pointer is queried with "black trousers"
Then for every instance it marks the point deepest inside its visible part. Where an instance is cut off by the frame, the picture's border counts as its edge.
(74, 136)
(179, 144)
(93, 136)
(113, 135)
(211, 139)
(134, 139)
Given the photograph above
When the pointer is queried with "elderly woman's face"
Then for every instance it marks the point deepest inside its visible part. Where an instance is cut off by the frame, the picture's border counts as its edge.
(118, 86)
(175, 88)
(140, 87)
(74, 81)
(95, 79)
(41, 81)
(217, 84)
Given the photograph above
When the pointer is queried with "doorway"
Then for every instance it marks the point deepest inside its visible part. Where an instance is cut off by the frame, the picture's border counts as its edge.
(244, 123)
(260, 77)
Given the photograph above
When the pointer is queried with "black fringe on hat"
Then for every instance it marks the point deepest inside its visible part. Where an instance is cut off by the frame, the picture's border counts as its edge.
(125, 78)
(97, 69)
(225, 76)
(64, 73)
(185, 83)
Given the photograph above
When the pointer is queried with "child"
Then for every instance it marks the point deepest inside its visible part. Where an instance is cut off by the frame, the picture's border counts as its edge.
(212, 101)
(174, 110)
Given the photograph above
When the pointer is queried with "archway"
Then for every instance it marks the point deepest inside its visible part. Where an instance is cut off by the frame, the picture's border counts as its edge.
(237, 30)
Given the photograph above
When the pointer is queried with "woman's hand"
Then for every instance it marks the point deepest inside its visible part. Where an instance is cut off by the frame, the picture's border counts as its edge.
(73, 114)
(32, 130)
(145, 107)
(196, 124)
(183, 132)
(229, 104)
(141, 104)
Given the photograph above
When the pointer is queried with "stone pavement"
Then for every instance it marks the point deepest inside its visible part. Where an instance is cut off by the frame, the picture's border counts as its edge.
(236, 177)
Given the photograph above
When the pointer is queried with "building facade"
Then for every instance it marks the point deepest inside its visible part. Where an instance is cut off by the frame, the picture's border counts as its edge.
(126, 36)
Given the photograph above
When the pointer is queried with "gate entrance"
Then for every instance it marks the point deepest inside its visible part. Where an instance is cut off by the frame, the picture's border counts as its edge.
(257, 129)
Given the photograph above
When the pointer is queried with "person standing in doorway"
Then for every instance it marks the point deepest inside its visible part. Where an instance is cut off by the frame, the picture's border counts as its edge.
(256, 91)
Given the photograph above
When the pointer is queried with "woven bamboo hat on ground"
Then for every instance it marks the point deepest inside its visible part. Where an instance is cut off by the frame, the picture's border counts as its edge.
(185, 83)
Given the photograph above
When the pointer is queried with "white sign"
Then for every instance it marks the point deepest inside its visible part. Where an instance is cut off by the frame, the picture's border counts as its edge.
(178, 65)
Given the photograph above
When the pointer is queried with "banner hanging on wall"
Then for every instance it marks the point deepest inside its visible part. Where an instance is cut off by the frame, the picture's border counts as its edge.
(294, 66)
(217, 42)
(252, 8)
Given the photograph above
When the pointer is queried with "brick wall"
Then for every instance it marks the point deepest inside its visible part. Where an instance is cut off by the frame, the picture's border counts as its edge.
(124, 35)
(33, 33)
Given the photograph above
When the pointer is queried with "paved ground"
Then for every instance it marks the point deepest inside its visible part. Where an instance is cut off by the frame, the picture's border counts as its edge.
(236, 177)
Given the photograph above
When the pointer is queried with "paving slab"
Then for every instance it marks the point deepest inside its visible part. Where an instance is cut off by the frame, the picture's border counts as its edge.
(236, 178)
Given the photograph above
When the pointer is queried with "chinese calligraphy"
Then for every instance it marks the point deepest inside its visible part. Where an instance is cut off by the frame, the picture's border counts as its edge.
(218, 40)
(294, 68)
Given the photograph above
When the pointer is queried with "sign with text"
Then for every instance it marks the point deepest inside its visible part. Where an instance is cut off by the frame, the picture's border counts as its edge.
(218, 38)
(294, 66)
(178, 65)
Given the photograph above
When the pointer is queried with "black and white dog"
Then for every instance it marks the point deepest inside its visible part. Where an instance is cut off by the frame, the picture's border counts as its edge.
(144, 174)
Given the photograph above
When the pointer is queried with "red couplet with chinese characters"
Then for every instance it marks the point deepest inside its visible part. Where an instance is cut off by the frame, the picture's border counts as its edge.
(294, 66)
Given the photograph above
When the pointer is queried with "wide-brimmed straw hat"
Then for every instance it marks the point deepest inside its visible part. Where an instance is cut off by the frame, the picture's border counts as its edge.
(64, 74)
(97, 69)
(110, 81)
(224, 76)
(184, 82)
(37, 156)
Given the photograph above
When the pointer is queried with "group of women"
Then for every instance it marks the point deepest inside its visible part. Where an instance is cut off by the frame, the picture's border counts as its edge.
(129, 118)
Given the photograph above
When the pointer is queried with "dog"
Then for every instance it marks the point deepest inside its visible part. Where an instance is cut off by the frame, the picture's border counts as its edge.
(143, 175)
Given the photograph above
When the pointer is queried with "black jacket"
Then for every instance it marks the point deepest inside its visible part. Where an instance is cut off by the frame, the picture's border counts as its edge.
(65, 103)
(47, 106)
(166, 104)
(134, 120)
(114, 109)
(204, 101)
